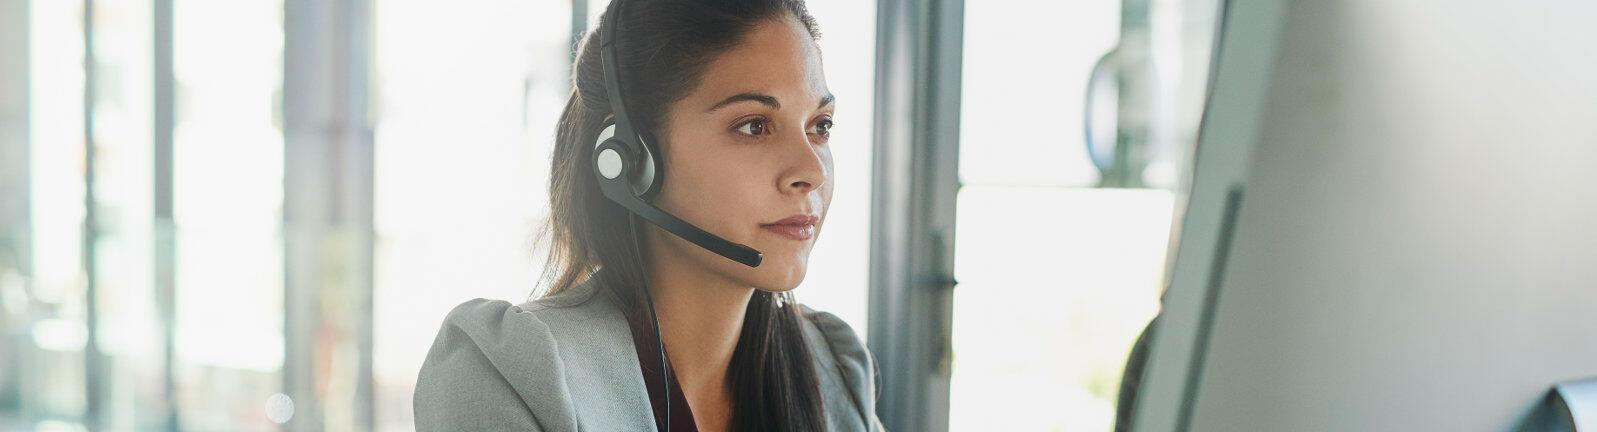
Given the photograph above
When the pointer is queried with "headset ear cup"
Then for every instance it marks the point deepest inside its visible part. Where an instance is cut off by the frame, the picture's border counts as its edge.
(610, 158)
(649, 173)
(642, 171)
(610, 162)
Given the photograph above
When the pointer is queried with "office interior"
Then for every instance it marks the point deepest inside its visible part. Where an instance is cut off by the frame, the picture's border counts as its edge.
(252, 215)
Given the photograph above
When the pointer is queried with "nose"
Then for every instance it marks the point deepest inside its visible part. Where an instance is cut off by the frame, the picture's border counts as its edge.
(806, 170)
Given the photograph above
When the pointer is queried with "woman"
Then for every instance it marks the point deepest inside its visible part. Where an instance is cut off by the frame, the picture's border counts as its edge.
(735, 94)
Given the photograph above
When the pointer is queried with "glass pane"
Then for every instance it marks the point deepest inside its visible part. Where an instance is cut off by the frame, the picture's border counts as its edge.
(52, 391)
(468, 97)
(1057, 279)
(1055, 285)
(130, 331)
(1025, 77)
(228, 195)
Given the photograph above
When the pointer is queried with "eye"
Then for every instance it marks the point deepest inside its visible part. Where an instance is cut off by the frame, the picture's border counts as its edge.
(755, 127)
(822, 128)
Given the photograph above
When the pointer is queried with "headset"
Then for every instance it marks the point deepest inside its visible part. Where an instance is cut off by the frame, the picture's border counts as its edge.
(627, 164)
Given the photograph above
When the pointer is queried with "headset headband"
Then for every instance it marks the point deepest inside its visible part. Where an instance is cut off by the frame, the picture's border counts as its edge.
(618, 156)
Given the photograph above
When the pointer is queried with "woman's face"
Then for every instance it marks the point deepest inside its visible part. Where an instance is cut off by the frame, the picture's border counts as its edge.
(746, 151)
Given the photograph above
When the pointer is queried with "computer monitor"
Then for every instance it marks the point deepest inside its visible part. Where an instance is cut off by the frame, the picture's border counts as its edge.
(1392, 224)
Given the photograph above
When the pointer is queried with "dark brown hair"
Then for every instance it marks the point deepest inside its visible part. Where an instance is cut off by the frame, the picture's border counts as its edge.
(663, 51)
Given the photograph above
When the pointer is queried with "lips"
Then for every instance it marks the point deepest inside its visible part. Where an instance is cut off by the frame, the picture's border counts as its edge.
(796, 227)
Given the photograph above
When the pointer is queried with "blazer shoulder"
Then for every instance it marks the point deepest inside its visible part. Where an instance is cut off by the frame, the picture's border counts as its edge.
(854, 360)
(492, 366)
(530, 366)
(839, 336)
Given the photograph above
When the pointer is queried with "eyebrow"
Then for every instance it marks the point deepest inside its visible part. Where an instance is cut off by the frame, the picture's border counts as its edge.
(827, 100)
(763, 99)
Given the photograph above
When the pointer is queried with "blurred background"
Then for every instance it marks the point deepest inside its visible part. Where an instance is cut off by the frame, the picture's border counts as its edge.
(238, 215)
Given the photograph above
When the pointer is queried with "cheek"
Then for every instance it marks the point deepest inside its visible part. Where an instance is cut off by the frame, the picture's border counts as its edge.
(713, 192)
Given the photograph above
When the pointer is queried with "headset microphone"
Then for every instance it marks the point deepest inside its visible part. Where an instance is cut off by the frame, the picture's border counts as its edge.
(628, 166)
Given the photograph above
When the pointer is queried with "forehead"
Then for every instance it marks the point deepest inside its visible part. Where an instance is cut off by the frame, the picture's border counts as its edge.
(778, 57)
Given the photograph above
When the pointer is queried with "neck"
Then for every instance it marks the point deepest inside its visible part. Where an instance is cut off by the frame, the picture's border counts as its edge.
(701, 317)
(700, 322)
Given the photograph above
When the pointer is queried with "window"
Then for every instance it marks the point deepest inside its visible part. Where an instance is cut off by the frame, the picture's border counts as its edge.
(227, 211)
(1057, 276)
(467, 100)
(58, 328)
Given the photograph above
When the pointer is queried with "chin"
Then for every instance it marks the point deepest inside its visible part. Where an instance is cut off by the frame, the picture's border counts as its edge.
(775, 274)
(777, 279)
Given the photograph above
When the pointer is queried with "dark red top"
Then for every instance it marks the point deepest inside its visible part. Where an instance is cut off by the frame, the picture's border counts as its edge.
(649, 358)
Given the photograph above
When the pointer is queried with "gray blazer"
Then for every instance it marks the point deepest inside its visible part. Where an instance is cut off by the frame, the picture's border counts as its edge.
(567, 363)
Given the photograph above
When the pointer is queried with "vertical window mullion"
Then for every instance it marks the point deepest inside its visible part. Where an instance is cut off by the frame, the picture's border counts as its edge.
(919, 50)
